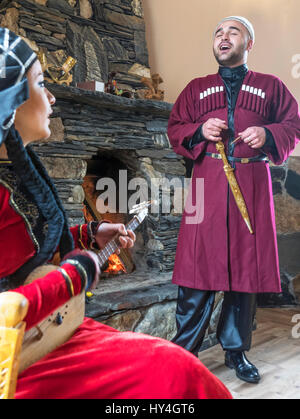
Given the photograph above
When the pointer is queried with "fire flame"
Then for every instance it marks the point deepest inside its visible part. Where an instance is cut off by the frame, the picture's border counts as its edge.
(115, 265)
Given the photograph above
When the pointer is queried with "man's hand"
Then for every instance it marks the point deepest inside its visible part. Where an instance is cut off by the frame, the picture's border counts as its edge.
(212, 128)
(107, 232)
(254, 137)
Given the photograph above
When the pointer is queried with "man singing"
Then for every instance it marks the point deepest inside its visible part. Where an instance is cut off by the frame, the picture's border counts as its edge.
(257, 119)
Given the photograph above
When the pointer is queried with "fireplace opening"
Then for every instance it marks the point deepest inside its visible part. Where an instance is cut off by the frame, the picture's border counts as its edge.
(106, 204)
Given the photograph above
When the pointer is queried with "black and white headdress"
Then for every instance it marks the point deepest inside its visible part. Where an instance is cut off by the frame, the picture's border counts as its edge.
(16, 57)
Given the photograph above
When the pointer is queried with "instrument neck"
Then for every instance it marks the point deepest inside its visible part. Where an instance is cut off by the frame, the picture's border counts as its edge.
(114, 244)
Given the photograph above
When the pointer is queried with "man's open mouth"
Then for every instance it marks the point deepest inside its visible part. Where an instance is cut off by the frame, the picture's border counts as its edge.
(225, 47)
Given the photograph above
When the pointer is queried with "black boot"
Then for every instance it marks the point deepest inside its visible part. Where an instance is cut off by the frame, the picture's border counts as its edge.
(244, 369)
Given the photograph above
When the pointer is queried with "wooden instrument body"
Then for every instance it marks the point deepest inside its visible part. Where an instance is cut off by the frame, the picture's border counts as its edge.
(54, 330)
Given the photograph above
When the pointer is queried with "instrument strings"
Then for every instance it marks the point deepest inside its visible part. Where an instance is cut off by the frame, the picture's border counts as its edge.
(113, 245)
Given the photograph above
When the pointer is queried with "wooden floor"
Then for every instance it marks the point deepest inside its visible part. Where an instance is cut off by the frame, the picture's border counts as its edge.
(275, 352)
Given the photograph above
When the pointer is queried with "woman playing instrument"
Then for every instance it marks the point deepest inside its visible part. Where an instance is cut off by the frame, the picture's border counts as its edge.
(97, 361)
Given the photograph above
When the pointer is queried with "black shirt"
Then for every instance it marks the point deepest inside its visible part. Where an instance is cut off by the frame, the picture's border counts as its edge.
(233, 79)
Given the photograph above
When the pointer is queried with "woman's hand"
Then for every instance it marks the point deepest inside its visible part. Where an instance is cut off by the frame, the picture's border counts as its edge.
(107, 232)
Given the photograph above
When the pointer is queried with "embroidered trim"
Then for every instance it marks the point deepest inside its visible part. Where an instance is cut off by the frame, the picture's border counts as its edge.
(17, 209)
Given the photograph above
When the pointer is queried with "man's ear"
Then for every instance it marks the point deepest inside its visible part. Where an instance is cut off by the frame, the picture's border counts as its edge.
(250, 45)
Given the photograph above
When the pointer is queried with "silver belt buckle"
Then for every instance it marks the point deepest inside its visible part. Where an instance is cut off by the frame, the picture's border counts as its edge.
(216, 156)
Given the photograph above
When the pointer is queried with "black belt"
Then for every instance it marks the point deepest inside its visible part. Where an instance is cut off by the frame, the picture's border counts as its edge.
(238, 159)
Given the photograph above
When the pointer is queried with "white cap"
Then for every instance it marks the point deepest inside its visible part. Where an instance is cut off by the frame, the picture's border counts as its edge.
(243, 21)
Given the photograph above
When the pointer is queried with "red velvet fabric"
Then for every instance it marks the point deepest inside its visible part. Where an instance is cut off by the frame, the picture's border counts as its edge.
(217, 257)
(80, 236)
(16, 246)
(99, 362)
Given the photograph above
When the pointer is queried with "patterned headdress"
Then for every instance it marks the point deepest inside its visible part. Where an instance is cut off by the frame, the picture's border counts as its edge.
(16, 57)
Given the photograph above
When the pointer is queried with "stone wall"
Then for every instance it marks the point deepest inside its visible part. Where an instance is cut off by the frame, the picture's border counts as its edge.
(94, 125)
(103, 36)
(286, 191)
(144, 303)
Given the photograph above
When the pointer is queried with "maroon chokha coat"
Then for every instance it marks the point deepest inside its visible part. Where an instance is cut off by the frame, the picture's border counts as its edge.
(217, 252)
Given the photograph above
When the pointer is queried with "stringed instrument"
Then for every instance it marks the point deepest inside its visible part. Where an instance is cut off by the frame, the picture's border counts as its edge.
(60, 325)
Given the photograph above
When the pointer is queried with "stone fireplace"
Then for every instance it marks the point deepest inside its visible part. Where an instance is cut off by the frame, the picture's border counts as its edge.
(97, 135)
(102, 137)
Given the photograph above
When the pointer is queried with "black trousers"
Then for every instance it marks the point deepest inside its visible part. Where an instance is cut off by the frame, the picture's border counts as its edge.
(194, 311)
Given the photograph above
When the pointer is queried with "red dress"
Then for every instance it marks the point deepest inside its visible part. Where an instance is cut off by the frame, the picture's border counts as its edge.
(98, 361)
(218, 251)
